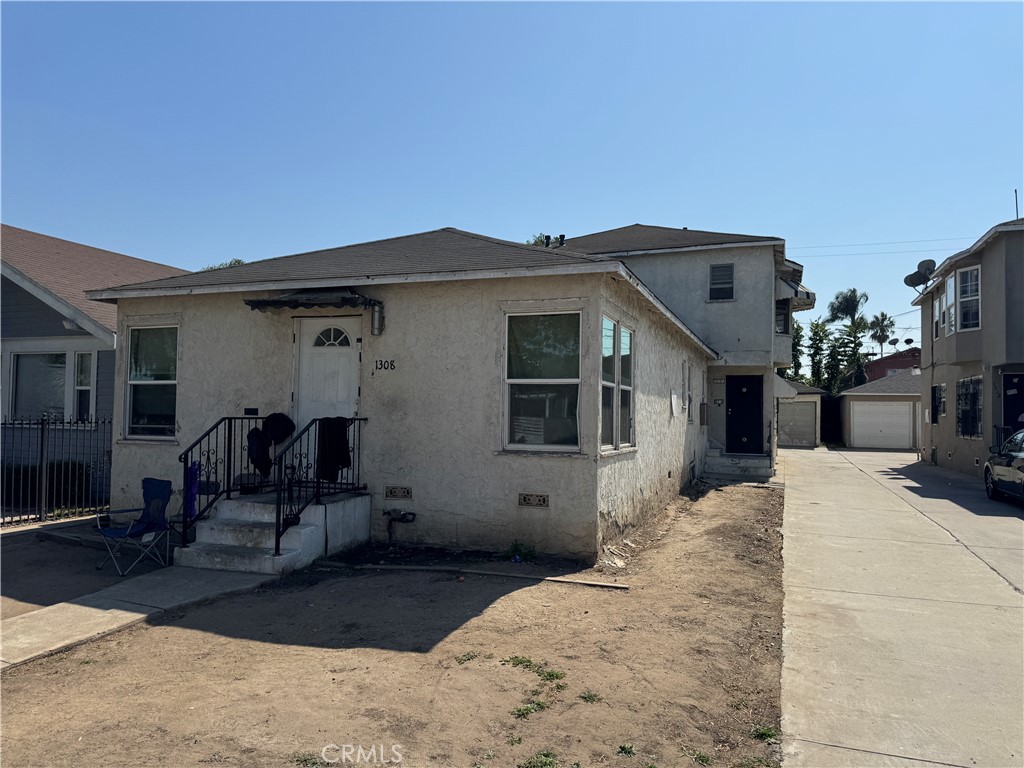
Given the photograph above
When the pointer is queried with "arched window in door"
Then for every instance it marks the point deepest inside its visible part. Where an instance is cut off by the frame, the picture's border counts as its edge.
(332, 337)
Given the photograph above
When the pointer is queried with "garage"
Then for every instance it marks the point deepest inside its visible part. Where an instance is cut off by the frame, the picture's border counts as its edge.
(882, 425)
(883, 413)
(798, 423)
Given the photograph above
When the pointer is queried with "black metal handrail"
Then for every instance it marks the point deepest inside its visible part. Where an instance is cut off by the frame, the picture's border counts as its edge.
(306, 469)
(219, 464)
(1001, 434)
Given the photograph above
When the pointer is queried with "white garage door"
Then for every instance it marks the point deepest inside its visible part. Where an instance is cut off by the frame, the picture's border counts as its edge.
(882, 425)
(796, 423)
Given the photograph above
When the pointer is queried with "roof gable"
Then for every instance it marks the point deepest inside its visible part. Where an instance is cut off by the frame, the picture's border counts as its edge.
(644, 237)
(59, 272)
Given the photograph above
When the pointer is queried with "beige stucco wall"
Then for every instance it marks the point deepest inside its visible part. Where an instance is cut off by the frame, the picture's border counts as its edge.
(636, 483)
(742, 329)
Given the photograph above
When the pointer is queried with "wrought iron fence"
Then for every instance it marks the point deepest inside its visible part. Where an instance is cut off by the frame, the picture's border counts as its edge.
(54, 469)
(1001, 434)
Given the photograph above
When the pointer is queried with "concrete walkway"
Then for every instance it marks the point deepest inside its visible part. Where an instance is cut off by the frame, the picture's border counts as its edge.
(56, 627)
(904, 619)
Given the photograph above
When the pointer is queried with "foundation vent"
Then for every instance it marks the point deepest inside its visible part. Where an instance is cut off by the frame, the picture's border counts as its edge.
(397, 492)
(533, 500)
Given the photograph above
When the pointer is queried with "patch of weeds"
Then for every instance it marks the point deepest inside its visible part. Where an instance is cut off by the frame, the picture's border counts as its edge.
(549, 675)
(513, 740)
(87, 661)
(590, 697)
(758, 762)
(561, 686)
(520, 661)
(700, 758)
(545, 759)
(307, 760)
(467, 656)
(521, 553)
(627, 749)
(533, 705)
(489, 754)
(765, 733)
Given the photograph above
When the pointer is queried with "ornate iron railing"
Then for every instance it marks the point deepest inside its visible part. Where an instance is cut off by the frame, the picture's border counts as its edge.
(1001, 434)
(322, 459)
(54, 469)
(216, 464)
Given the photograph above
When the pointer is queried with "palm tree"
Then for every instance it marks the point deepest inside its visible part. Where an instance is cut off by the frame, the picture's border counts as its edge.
(846, 305)
(881, 328)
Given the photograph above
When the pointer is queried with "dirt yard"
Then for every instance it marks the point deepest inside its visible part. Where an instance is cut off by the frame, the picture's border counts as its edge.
(442, 670)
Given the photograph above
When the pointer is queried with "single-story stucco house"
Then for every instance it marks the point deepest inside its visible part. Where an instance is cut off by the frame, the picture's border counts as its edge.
(511, 393)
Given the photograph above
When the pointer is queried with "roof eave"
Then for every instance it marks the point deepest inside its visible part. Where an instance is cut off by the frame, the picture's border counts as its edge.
(113, 294)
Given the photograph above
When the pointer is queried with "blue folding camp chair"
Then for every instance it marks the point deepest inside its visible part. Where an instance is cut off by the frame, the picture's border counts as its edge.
(145, 531)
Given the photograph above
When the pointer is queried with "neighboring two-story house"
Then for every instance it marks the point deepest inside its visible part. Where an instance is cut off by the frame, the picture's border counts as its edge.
(738, 293)
(972, 355)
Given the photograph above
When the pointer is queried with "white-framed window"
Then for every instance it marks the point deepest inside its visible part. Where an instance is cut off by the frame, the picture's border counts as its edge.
(935, 319)
(152, 381)
(969, 298)
(721, 283)
(542, 381)
(950, 298)
(53, 378)
(617, 401)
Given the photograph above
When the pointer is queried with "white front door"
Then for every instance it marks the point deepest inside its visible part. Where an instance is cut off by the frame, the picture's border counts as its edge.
(328, 368)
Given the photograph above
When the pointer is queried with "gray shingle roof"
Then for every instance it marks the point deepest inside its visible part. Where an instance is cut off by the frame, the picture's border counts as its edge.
(806, 389)
(445, 250)
(68, 269)
(643, 237)
(903, 383)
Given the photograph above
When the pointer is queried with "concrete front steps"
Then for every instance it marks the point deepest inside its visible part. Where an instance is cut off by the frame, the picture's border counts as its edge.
(238, 535)
(737, 466)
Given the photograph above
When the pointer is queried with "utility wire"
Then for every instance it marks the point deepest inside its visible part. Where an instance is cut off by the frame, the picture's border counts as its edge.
(887, 242)
(870, 253)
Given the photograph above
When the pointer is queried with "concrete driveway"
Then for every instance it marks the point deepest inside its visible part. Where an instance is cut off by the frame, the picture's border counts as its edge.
(904, 636)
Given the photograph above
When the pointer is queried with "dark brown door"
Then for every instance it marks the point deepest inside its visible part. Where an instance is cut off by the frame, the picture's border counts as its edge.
(743, 414)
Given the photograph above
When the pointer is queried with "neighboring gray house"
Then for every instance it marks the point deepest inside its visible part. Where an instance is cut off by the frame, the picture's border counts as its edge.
(58, 345)
(737, 293)
(972, 355)
(885, 413)
(513, 394)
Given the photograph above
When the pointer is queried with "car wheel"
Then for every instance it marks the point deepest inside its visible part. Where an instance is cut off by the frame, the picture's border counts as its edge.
(990, 485)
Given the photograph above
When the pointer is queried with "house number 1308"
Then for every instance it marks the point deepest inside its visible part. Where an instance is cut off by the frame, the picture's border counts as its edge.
(384, 365)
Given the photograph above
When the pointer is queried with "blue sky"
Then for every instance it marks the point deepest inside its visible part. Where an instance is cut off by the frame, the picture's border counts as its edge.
(192, 133)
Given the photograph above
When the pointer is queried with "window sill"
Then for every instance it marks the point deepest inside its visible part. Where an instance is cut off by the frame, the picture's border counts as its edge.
(576, 454)
(610, 452)
(147, 441)
(718, 301)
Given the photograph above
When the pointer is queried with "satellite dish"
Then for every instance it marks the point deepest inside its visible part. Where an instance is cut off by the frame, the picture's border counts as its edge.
(894, 342)
(915, 279)
(908, 342)
(926, 267)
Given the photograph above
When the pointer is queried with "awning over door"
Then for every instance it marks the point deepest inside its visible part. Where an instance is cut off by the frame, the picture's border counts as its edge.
(308, 298)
